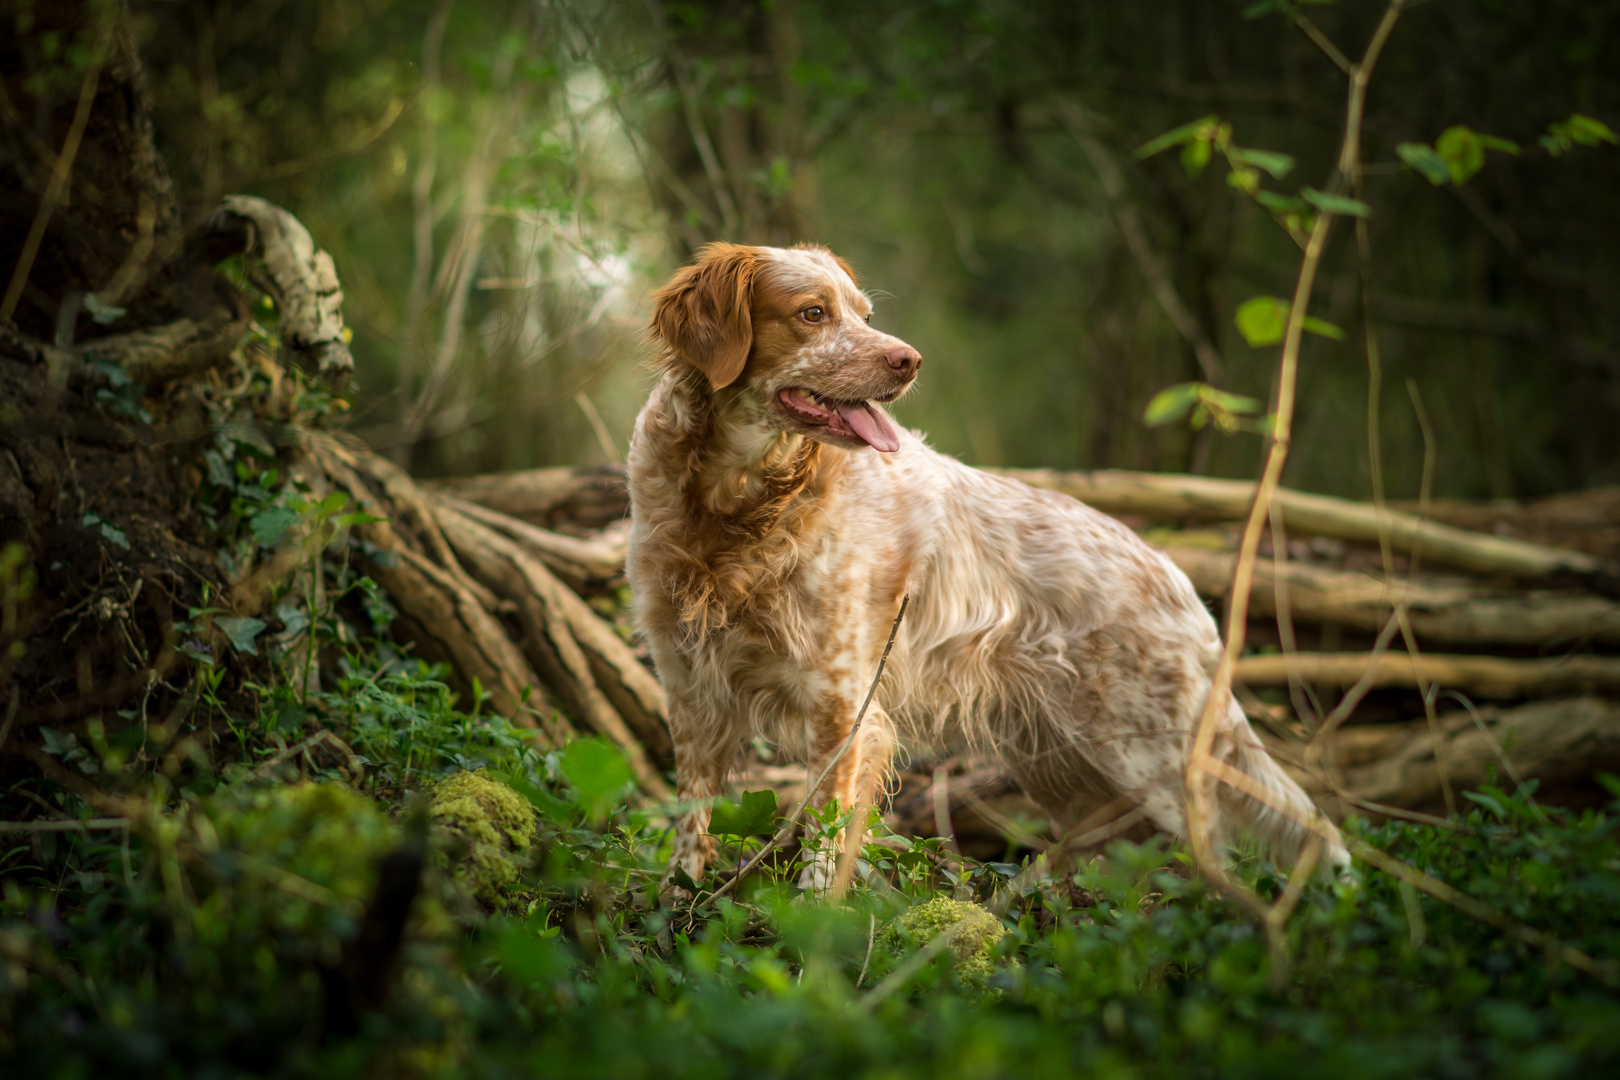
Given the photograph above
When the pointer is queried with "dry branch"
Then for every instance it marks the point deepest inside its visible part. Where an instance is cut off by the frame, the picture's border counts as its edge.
(1173, 497)
(1485, 676)
(1560, 743)
(1457, 614)
(584, 498)
(584, 564)
(543, 608)
(449, 614)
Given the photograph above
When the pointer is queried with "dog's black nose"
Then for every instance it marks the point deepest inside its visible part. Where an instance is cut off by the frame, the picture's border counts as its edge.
(904, 359)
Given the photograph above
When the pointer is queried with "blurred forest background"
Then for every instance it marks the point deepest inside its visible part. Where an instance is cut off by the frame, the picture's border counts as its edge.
(501, 182)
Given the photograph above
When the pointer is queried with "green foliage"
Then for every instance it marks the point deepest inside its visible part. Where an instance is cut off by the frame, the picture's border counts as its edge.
(209, 941)
(1262, 320)
(755, 815)
(1201, 403)
(1564, 135)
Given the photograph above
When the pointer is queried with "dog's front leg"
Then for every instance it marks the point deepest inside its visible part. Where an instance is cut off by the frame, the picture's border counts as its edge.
(856, 779)
(704, 750)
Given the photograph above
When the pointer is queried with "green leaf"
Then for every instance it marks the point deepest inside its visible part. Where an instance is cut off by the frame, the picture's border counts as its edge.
(598, 773)
(109, 532)
(57, 743)
(1194, 156)
(1336, 204)
(1171, 404)
(1262, 319)
(755, 816)
(1588, 131)
(1198, 129)
(241, 632)
(1281, 204)
(1423, 158)
(1278, 165)
(1313, 325)
(1487, 802)
(1462, 151)
(271, 524)
(1230, 403)
(1501, 146)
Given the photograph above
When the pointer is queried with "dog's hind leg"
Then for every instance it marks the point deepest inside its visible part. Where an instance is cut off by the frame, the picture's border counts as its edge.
(1277, 813)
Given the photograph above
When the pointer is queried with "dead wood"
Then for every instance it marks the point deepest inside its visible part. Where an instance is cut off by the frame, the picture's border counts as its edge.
(282, 259)
(1560, 743)
(1469, 614)
(584, 564)
(548, 639)
(449, 614)
(1172, 497)
(1586, 521)
(578, 498)
(1483, 676)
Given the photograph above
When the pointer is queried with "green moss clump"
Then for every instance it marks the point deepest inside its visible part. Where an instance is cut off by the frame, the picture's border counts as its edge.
(277, 839)
(488, 826)
(972, 952)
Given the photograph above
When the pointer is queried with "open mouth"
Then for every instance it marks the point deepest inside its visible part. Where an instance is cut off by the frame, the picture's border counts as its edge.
(859, 420)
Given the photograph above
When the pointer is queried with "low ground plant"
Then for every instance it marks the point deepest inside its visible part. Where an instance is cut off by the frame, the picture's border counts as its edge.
(227, 923)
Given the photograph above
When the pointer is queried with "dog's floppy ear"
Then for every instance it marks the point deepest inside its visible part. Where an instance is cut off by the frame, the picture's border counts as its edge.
(703, 316)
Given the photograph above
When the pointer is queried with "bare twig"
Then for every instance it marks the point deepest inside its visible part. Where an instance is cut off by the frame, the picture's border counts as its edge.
(422, 205)
(786, 831)
(1201, 766)
(57, 184)
(63, 826)
(1147, 260)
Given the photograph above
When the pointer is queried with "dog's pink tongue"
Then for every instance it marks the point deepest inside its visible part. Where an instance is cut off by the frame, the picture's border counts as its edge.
(871, 424)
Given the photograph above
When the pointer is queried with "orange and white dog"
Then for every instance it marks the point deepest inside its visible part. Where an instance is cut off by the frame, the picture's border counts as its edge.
(779, 516)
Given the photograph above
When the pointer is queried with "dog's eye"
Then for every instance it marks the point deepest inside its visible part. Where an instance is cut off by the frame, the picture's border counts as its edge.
(811, 314)
(869, 318)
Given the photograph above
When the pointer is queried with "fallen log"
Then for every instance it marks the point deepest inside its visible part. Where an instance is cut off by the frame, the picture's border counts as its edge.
(1483, 676)
(1173, 497)
(1562, 744)
(1455, 614)
(583, 498)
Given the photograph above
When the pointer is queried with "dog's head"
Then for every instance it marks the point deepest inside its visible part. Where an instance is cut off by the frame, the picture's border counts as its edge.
(789, 328)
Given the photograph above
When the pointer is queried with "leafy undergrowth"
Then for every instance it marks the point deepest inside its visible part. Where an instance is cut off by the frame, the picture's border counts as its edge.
(232, 928)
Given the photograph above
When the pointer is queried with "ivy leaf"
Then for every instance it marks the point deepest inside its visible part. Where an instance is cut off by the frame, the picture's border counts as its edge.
(1423, 159)
(109, 532)
(271, 524)
(1171, 404)
(1262, 319)
(1336, 204)
(754, 816)
(241, 632)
